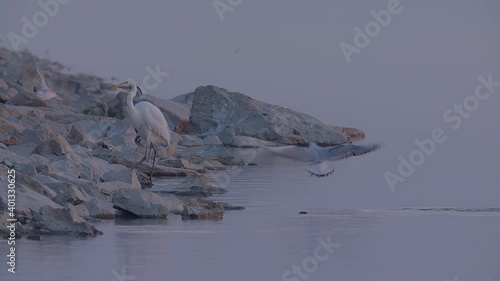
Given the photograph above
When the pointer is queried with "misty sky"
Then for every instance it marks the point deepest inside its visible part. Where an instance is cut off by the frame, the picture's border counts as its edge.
(428, 58)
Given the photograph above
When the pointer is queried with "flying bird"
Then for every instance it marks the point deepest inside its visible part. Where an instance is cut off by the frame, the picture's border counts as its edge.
(149, 123)
(320, 158)
(43, 92)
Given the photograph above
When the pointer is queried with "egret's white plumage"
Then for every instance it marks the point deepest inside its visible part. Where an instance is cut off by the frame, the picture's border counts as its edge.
(43, 92)
(320, 158)
(149, 122)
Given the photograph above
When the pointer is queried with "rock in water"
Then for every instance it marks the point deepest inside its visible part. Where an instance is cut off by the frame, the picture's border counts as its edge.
(51, 220)
(198, 208)
(218, 111)
(145, 204)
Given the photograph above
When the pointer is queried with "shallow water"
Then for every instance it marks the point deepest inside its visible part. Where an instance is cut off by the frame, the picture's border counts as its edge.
(269, 237)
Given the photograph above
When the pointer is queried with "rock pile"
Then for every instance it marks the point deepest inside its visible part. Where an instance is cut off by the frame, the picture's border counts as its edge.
(73, 157)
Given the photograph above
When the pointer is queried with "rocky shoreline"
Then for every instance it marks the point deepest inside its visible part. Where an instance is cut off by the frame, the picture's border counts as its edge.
(72, 157)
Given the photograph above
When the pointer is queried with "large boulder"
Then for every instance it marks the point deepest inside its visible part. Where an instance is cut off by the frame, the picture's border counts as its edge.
(49, 220)
(145, 204)
(72, 195)
(53, 147)
(352, 133)
(101, 209)
(127, 176)
(216, 110)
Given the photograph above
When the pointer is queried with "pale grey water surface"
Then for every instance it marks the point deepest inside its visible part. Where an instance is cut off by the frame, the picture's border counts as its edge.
(269, 237)
(396, 89)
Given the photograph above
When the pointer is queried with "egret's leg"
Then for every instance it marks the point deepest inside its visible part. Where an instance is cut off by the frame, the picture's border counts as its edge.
(149, 153)
(154, 159)
(143, 158)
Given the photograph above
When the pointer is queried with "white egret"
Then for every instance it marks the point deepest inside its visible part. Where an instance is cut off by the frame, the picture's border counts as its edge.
(149, 123)
(320, 158)
(43, 92)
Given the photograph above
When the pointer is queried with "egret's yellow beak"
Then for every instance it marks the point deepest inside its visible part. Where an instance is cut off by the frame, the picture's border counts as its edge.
(118, 86)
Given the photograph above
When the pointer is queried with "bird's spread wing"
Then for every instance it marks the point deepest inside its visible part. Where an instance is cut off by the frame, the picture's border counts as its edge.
(320, 169)
(291, 152)
(348, 150)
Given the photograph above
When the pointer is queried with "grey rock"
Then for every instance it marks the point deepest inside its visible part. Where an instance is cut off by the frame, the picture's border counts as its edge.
(76, 135)
(190, 141)
(352, 133)
(199, 208)
(127, 176)
(215, 110)
(6, 93)
(9, 126)
(182, 164)
(72, 195)
(116, 106)
(82, 211)
(56, 146)
(61, 221)
(101, 209)
(212, 140)
(213, 165)
(26, 99)
(27, 200)
(35, 185)
(3, 86)
(145, 204)
(249, 142)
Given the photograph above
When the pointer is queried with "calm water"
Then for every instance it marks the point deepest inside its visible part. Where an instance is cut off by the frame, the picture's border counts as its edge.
(269, 237)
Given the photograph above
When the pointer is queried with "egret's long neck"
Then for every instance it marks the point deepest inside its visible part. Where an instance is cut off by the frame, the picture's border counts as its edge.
(130, 100)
